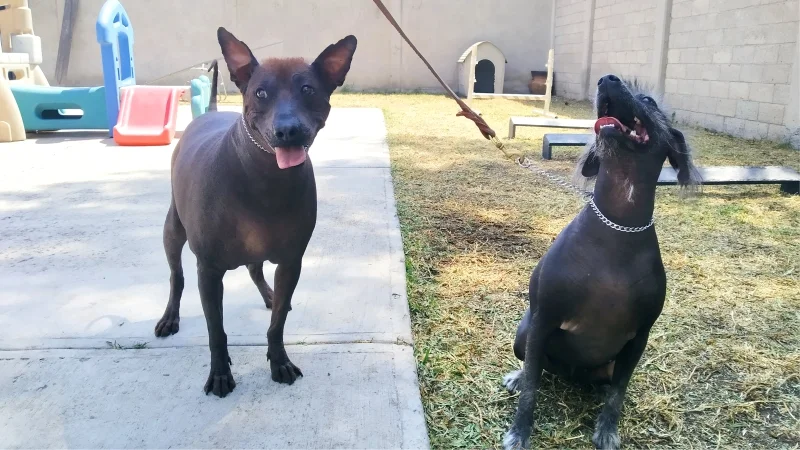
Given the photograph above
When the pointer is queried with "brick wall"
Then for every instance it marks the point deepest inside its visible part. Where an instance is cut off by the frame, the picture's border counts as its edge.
(730, 64)
(623, 38)
(568, 46)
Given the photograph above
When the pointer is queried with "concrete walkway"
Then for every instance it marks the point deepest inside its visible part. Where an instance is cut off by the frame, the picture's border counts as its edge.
(83, 280)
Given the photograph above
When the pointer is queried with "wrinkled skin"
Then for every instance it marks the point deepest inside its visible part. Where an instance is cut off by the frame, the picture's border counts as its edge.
(596, 293)
(238, 203)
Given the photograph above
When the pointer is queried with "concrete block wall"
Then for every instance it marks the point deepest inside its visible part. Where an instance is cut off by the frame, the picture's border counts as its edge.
(568, 41)
(726, 65)
(730, 64)
(623, 38)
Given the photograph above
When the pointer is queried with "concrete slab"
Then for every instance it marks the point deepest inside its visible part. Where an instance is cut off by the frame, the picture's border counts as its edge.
(81, 264)
(352, 396)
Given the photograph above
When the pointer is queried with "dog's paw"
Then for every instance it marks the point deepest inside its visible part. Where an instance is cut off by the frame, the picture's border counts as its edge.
(513, 441)
(220, 381)
(512, 380)
(169, 324)
(605, 439)
(285, 372)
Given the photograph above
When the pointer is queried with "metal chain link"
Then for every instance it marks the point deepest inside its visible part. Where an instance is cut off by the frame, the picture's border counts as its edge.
(617, 226)
(586, 196)
(557, 179)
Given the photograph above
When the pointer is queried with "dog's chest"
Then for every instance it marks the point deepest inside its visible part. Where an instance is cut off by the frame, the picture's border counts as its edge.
(274, 239)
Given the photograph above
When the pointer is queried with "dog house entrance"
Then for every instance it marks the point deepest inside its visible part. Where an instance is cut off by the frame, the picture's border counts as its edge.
(484, 77)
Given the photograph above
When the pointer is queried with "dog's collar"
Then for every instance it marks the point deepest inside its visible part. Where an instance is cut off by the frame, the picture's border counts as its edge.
(247, 130)
(615, 226)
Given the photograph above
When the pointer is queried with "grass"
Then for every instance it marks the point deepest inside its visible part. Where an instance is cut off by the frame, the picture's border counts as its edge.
(722, 368)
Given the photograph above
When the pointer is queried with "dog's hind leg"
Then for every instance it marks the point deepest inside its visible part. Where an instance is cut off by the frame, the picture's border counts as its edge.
(220, 379)
(174, 240)
(606, 435)
(286, 277)
(257, 275)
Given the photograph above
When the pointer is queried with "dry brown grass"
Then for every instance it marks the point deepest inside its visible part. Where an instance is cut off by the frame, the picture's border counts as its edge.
(723, 364)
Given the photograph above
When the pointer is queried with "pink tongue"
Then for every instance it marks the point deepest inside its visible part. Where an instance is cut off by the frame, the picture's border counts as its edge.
(290, 156)
(609, 121)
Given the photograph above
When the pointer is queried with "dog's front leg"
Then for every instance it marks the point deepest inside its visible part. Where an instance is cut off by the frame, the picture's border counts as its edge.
(286, 277)
(220, 380)
(520, 433)
(606, 435)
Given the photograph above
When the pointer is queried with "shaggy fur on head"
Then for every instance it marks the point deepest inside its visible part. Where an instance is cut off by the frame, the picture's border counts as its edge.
(665, 141)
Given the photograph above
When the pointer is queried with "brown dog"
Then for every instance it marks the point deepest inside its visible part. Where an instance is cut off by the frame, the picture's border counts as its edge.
(243, 192)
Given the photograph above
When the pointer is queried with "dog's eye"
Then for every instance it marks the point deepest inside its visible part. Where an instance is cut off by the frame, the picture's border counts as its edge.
(307, 90)
(649, 100)
(260, 93)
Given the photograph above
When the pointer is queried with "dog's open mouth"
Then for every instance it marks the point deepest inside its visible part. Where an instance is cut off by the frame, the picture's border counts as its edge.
(633, 130)
(290, 156)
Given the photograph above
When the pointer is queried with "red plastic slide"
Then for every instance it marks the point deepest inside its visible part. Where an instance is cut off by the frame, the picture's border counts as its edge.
(147, 115)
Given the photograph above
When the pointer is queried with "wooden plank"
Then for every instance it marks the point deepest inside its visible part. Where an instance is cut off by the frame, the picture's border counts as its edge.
(549, 86)
(737, 175)
(509, 96)
(551, 140)
(568, 139)
(521, 121)
(65, 41)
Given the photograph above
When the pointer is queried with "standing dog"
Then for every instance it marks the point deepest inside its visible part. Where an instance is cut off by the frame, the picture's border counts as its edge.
(243, 192)
(600, 288)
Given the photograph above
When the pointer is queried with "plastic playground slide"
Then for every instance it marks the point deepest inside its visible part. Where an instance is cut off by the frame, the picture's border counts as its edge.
(147, 115)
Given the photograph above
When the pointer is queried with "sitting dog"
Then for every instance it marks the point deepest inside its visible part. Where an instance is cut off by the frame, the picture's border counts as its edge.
(243, 192)
(599, 289)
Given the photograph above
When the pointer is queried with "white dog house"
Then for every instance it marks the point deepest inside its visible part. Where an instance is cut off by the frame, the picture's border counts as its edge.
(481, 69)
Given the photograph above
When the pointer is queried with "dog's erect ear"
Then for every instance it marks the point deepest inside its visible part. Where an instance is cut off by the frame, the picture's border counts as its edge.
(680, 158)
(240, 60)
(589, 162)
(333, 63)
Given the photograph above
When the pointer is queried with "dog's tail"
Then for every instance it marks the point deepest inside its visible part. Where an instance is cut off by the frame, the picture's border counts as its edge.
(212, 102)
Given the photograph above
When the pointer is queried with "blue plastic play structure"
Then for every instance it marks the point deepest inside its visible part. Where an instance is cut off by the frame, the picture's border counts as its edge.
(45, 108)
(115, 36)
(201, 95)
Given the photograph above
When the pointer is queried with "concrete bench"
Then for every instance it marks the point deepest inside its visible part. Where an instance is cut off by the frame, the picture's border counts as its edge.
(519, 121)
(563, 140)
(788, 178)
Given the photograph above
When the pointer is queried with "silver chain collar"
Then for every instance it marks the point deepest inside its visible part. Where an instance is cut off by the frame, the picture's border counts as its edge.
(618, 227)
(587, 197)
(247, 130)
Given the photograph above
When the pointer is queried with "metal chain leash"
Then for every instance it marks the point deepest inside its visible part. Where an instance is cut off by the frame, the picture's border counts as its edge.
(556, 179)
(586, 196)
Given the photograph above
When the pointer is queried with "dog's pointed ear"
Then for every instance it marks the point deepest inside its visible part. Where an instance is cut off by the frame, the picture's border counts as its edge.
(680, 158)
(333, 63)
(240, 60)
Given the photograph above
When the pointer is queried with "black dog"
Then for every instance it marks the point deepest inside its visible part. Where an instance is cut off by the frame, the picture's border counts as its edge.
(600, 288)
(243, 192)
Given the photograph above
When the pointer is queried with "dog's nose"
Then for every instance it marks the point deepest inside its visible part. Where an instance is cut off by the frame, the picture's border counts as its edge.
(609, 79)
(287, 130)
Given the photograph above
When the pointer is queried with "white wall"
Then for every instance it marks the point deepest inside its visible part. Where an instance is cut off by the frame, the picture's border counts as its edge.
(173, 34)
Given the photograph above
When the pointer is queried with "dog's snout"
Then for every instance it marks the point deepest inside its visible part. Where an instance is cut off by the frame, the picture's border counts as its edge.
(608, 79)
(288, 130)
